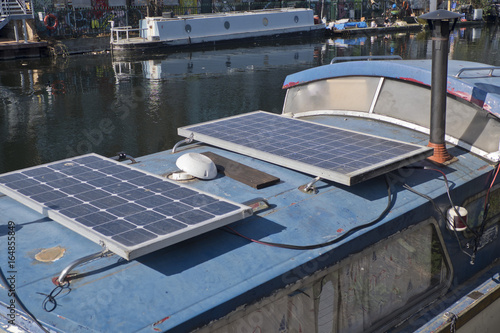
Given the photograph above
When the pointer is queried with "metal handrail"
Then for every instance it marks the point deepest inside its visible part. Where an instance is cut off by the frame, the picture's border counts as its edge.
(22, 5)
(381, 57)
(126, 29)
(8, 7)
(467, 69)
(4, 9)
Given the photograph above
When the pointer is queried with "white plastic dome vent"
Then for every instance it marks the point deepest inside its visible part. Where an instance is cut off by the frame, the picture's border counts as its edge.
(197, 165)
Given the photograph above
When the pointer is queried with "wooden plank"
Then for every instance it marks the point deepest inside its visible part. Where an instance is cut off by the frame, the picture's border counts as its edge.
(242, 173)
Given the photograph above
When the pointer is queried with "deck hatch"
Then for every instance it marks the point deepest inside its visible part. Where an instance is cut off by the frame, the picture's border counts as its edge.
(131, 211)
(332, 153)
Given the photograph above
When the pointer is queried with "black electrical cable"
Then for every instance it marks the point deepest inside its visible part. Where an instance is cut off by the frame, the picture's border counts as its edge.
(487, 199)
(477, 235)
(331, 242)
(447, 186)
(485, 210)
(21, 305)
(411, 189)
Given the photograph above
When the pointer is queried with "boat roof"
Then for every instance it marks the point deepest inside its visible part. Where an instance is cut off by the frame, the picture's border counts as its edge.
(474, 82)
(186, 285)
(227, 14)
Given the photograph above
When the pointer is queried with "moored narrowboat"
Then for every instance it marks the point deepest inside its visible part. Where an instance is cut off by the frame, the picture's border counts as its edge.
(344, 213)
(167, 33)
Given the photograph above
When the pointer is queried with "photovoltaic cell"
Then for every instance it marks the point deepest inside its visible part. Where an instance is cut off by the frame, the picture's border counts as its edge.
(131, 211)
(332, 153)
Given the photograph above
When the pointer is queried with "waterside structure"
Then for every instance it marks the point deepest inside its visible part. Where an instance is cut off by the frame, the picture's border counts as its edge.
(211, 29)
(25, 23)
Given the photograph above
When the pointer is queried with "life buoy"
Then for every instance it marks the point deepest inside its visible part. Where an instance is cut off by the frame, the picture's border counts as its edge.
(58, 88)
(46, 21)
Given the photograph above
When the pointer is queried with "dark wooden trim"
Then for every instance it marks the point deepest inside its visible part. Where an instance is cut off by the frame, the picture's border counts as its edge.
(242, 173)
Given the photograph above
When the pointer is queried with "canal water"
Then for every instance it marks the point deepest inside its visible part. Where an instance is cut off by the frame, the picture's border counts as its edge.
(55, 108)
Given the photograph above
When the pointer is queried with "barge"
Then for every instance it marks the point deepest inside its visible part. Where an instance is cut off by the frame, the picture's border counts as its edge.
(211, 29)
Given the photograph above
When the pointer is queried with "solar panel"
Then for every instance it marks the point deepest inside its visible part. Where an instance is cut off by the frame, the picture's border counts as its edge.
(332, 153)
(131, 211)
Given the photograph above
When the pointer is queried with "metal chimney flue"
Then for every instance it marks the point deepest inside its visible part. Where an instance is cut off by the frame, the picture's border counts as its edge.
(439, 23)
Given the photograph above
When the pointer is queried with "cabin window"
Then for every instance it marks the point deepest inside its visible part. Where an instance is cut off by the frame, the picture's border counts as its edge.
(398, 99)
(342, 94)
(265, 21)
(188, 28)
(383, 280)
(296, 19)
(464, 121)
(227, 25)
(363, 292)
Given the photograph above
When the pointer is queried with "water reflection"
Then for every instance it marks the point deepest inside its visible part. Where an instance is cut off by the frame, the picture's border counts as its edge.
(215, 62)
(52, 109)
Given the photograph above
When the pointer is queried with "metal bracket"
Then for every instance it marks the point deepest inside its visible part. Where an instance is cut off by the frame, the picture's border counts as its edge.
(452, 319)
(309, 188)
(185, 141)
(494, 157)
(123, 157)
(62, 277)
(257, 204)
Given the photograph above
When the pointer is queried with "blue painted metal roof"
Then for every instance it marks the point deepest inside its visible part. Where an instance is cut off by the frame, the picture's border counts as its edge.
(191, 283)
(473, 86)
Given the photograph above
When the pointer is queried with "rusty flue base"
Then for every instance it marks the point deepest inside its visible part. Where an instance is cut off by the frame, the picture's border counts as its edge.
(441, 155)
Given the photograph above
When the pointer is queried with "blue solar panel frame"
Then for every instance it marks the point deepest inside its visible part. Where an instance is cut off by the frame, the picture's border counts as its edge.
(343, 156)
(131, 211)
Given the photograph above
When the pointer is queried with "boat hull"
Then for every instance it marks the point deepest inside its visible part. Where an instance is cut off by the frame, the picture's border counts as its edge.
(217, 29)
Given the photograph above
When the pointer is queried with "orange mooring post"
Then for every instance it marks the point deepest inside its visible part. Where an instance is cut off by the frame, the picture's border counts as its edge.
(439, 23)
